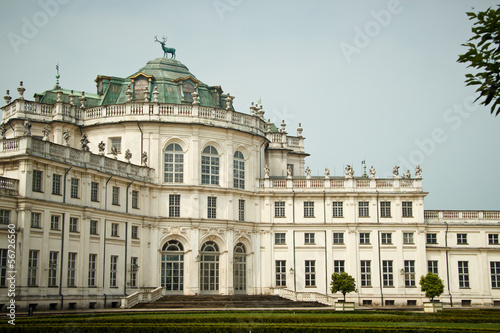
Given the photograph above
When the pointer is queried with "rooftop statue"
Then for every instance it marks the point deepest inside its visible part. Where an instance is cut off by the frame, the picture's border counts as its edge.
(166, 50)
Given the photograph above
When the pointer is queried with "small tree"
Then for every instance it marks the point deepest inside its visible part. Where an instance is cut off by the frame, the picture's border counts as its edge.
(432, 285)
(342, 282)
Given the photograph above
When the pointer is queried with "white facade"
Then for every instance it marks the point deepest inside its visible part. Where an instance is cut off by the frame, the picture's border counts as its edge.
(93, 227)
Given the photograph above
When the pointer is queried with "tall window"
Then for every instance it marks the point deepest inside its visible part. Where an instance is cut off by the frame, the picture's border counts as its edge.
(212, 207)
(135, 232)
(338, 238)
(188, 89)
(71, 269)
(174, 205)
(280, 238)
(407, 209)
(210, 166)
(364, 210)
(54, 222)
(94, 191)
(135, 199)
(495, 274)
(431, 238)
(461, 238)
(56, 184)
(114, 229)
(387, 270)
(290, 167)
(364, 238)
(93, 227)
(366, 273)
(463, 274)
(279, 209)
(37, 181)
(309, 209)
(141, 85)
(4, 216)
(409, 273)
(493, 239)
(113, 269)
(239, 170)
(432, 266)
(73, 224)
(92, 269)
(408, 238)
(32, 267)
(116, 196)
(117, 143)
(338, 266)
(338, 209)
(173, 169)
(53, 269)
(134, 267)
(309, 238)
(385, 209)
(241, 210)
(310, 266)
(35, 220)
(280, 273)
(386, 238)
(3, 267)
(75, 182)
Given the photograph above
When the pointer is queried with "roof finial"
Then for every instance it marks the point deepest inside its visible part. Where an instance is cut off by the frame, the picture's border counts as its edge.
(57, 77)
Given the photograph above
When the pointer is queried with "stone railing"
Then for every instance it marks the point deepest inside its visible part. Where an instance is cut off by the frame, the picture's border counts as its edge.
(144, 296)
(340, 184)
(459, 215)
(75, 157)
(305, 296)
(8, 186)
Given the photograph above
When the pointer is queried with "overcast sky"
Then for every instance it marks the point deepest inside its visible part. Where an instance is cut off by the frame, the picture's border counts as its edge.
(368, 80)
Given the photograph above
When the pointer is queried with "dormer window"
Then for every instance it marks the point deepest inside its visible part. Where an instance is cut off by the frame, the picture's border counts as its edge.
(187, 89)
(102, 83)
(141, 84)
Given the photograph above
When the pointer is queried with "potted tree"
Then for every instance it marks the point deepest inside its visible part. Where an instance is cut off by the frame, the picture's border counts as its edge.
(344, 283)
(433, 286)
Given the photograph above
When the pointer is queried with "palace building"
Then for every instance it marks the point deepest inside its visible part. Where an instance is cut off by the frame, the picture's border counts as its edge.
(156, 185)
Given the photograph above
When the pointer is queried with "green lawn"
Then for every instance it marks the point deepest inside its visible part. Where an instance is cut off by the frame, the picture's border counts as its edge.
(479, 320)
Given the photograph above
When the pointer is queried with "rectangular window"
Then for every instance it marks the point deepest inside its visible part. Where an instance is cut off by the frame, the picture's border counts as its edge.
(92, 269)
(387, 270)
(114, 229)
(279, 209)
(54, 222)
(408, 238)
(113, 270)
(409, 273)
(338, 266)
(53, 269)
(4, 216)
(116, 196)
(338, 209)
(212, 208)
(290, 167)
(338, 238)
(386, 238)
(135, 199)
(75, 184)
(134, 267)
(174, 205)
(241, 210)
(37, 181)
(461, 238)
(135, 232)
(3, 267)
(310, 273)
(73, 224)
(56, 184)
(93, 227)
(364, 210)
(35, 220)
(493, 239)
(32, 268)
(432, 266)
(94, 192)
(280, 273)
(309, 209)
(364, 238)
(431, 238)
(495, 274)
(280, 238)
(385, 209)
(463, 274)
(71, 269)
(117, 143)
(407, 209)
(366, 273)
(309, 238)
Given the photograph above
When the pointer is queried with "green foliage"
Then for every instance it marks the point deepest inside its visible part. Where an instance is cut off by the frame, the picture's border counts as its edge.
(483, 55)
(432, 285)
(342, 282)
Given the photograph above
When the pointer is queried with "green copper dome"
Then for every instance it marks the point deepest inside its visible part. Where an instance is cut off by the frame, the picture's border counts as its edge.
(163, 68)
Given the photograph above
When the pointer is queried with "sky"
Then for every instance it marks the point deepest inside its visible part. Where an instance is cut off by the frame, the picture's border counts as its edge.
(368, 80)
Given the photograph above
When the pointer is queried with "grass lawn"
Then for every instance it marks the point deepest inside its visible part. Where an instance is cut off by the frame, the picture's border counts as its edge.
(477, 320)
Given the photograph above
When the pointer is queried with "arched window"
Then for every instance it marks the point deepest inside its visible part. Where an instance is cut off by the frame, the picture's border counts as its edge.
(172, 266)
(173, 245)
(173, 171)
(239, 170)
(210, 166)
(209, 267)
(187, 89)
(240, 269)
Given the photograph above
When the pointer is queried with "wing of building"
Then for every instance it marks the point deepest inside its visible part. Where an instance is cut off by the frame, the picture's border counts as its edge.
(156, 185)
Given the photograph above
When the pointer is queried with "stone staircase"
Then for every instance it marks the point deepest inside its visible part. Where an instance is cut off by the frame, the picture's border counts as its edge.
(224, 301)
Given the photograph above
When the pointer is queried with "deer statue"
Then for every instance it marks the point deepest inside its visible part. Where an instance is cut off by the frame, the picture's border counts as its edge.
(166, 50)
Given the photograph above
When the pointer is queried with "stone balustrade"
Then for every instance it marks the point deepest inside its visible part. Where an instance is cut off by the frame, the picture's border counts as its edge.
(304, 296)
(459, 215)
(8, 186)
(143, 296)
